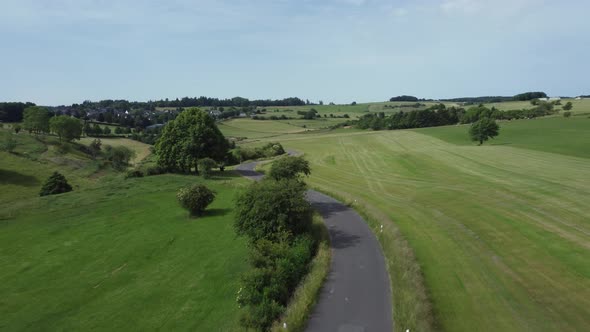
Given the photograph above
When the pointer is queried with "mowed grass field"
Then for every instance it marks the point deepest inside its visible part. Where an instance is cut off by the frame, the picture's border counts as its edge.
(570, 136)
(122, 256)
(501, 232)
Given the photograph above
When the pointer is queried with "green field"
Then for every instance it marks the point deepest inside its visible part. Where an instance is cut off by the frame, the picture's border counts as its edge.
(561, 135)
(121, 256)
(501, 232)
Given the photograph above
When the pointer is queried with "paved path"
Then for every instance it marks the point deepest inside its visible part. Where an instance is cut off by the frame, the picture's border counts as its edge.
(356, 295)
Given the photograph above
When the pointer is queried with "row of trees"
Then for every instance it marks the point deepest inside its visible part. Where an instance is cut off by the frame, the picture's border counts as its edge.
(276, 218)
(440, 115)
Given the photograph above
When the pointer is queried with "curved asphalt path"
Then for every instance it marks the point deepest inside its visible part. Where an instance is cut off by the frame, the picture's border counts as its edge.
(356, 295)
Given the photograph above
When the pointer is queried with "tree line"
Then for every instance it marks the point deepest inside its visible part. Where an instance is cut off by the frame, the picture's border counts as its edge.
(440, 115)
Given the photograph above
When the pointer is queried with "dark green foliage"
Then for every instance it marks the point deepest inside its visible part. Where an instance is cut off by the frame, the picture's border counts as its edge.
(269, 209)
(13, 112)
(568, 106)
(437, 115)
(95, 147)
(277, 269)
(268, 150)
(9, 144)
(483, 129)
(404, 98)
(567, 114)
(195, 198)
(106, 131)
(119, 156)
(55, 184)
(36, 119)
(289, 167)
(17, 128)
(193, 135)
(66, 127)
(206, 166)
(135, 173)
(154, 170)
(529, 95)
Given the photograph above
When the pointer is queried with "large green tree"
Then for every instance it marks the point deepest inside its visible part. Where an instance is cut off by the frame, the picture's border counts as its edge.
(36, 119)
(483, 130)
(193, 135)
(66, 127)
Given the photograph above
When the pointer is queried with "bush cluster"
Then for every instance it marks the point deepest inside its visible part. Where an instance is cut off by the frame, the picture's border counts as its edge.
(135, 173)
(268, 150)
(195, 198)
(276, 218)
(154, 170)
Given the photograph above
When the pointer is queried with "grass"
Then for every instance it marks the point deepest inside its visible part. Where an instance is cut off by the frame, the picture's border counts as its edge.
(256, 128)
(34, 159)
(501, 233)
(306, 294)
(122, 256)
(142, 150)
(569, 136)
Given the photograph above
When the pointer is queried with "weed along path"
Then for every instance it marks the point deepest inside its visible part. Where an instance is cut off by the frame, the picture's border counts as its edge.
(356, 295)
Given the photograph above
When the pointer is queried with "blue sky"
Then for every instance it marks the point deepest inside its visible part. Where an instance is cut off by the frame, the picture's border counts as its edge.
(65, 51)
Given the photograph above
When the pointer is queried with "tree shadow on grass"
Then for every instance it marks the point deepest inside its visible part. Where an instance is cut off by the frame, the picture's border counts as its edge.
(216, 212)
(11, 177)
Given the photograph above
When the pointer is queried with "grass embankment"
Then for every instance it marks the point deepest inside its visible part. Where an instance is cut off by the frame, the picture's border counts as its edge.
(305, 296)
(122, 256)
(569, 136)
(501, 233)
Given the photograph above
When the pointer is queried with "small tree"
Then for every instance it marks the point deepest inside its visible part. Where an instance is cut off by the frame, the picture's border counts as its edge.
(195, 198)
(119, 156)
(270, 209)
(36, 119)
(66, 127)
(567, 114)
(17, 128)
(205, 167)
(9, 145)
(95, 147)
(55, 184)
(483, 130)
(568, 106)
(289, 167)
(106, 131)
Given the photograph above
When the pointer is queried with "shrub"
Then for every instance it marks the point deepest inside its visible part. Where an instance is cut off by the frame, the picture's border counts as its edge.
(9, 144)
(289, 168)
(134, 174)
(154, 170)
(55, 184)
(17, 128)
(95, 147)
(269, 209)
(119, 156)
(195, 198)
(567, 114)
(205, 167)
(277, 269)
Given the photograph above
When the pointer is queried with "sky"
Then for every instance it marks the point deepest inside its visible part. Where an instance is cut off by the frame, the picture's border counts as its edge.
(55, 52)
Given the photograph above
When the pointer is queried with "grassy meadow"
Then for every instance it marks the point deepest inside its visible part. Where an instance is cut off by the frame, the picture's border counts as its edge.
(123, 256)
(501, 232)
(113, 254)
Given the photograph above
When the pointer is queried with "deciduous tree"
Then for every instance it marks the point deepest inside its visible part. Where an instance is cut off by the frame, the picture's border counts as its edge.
(483, 130)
